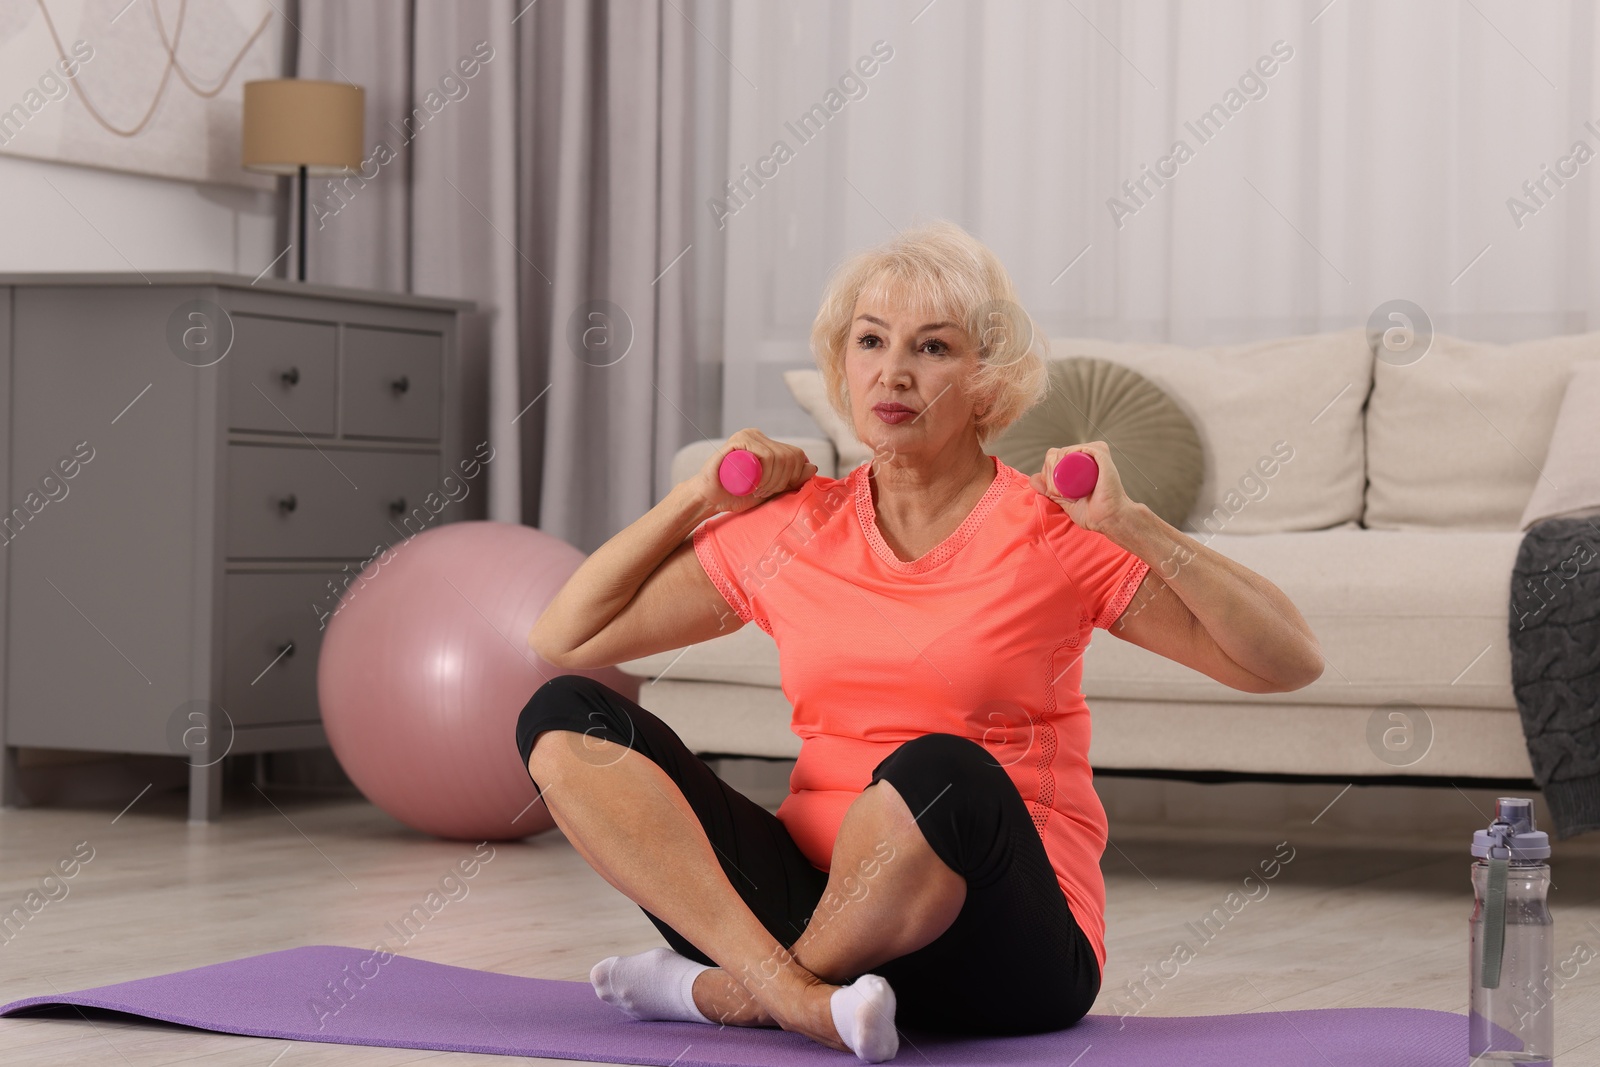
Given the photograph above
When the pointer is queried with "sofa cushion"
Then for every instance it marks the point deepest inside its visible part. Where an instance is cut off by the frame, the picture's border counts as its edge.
(716, 718)
(1413, 616)
(1153, 443)
(1262, 737)
(1457, 438)
(1570, 481)
(1289, 406)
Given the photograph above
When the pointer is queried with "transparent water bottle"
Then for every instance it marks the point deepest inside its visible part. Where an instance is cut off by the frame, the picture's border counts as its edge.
(1511, 1008)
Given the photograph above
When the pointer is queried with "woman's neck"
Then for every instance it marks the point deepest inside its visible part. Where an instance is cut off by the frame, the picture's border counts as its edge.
(915, 497)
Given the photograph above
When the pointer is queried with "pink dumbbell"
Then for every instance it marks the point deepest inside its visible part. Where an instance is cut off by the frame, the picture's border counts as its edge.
(1075, 475)
(740, 472)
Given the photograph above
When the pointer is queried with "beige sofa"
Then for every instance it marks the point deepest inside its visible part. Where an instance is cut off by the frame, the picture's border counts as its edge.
(1393, 527)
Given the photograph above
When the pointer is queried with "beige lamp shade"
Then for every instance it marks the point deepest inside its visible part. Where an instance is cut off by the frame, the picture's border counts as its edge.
(291, 123)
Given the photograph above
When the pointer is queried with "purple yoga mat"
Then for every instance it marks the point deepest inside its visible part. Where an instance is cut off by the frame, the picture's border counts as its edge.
(409, 1003)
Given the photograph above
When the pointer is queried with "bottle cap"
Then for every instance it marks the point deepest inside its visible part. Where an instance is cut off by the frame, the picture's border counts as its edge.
(1511, 836)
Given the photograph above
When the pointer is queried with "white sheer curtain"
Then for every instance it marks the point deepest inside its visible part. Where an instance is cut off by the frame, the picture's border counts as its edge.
(1375, 162)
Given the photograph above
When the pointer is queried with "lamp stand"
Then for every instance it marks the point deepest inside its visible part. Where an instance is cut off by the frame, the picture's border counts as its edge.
(300, 242)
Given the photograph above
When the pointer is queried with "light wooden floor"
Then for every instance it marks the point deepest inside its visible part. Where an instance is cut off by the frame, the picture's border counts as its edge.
(1340, 925)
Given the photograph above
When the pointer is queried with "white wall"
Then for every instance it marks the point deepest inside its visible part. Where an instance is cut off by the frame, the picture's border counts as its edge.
(56, 217)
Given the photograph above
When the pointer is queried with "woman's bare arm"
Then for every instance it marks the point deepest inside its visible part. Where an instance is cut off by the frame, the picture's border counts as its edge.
(643, 591)
(1206, 611)
(639, 593)
(1195, 606)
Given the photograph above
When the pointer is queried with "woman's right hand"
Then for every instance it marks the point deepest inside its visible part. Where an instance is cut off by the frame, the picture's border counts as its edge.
(783, 467)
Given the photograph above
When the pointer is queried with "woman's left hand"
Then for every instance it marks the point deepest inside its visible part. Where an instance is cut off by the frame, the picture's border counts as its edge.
(1104, 505)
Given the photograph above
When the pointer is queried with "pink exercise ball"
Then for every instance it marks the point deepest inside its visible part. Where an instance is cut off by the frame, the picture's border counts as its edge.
(425, 667)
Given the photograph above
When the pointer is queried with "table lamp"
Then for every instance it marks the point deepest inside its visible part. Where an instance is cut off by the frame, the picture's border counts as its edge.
(299, 127)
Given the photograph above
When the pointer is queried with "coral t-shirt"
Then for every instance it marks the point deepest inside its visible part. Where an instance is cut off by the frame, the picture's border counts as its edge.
(982, 637)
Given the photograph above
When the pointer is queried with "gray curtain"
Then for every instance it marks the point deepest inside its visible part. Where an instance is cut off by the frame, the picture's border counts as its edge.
(359, 230)
(562, 189)
(625, 105)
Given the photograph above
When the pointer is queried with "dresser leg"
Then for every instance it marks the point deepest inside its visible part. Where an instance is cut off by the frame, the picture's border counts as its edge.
(10, 791)
(205, 792)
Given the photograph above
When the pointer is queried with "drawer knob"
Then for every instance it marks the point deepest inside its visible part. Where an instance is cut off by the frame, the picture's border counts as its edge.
(400, 384)
(397, 506)
(288, 503)
(291, 376)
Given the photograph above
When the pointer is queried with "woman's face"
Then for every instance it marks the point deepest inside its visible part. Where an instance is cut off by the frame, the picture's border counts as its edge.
(907, 371)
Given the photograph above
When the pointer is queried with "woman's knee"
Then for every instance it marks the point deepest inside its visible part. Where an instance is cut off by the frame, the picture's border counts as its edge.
(575, 703)
(962, 800)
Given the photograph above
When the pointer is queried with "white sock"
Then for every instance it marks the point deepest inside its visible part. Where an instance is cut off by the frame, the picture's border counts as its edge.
(658, 984)
(863, 1013)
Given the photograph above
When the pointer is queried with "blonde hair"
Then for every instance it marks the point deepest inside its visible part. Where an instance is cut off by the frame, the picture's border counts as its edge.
(946, 271)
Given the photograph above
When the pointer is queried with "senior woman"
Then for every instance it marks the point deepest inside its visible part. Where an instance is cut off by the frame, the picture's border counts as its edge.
(936, 861)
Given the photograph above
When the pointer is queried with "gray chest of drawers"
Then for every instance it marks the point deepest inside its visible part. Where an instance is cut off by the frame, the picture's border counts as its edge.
(194, 465)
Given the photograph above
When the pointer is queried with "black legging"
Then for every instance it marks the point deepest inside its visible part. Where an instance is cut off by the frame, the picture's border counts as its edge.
(1014, 961)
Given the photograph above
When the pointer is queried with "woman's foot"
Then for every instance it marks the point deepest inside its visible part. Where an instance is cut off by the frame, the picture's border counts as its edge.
(863, 1017)
(722, 1000)
(660, 984)
(855, 1018)
(656, 984)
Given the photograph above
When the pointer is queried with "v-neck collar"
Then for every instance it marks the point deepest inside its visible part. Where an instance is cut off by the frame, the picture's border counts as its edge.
(944, 549)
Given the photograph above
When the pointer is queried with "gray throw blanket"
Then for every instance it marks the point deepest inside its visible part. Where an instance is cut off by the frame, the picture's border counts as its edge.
(1555, 665)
